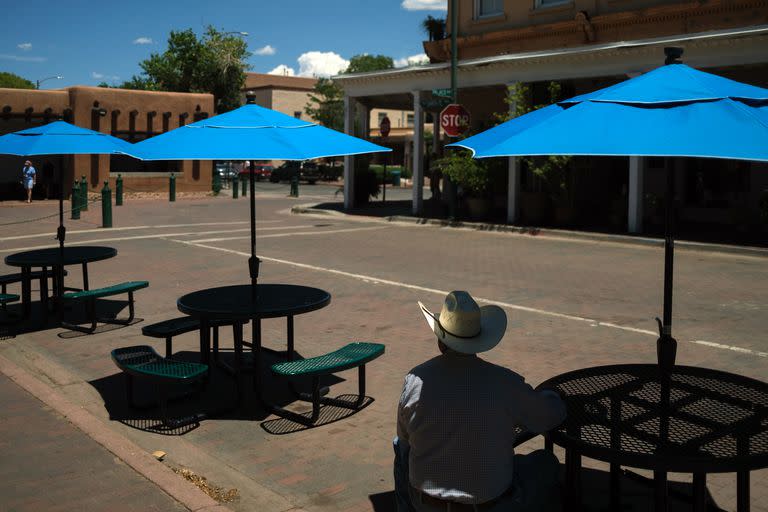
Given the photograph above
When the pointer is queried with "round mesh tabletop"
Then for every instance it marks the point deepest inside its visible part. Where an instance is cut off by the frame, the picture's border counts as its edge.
(715, 422)
(238, 302)
(49, 257)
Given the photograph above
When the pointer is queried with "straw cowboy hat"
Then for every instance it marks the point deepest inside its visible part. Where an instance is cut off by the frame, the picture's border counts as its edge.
(466, 327)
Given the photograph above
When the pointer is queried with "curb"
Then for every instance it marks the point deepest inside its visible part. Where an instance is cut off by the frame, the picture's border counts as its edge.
(744, 250)
(143, 463)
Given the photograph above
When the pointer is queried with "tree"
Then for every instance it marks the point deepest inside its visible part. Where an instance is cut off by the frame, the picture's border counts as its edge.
(326, 102)
(12, 81)
(214, 63)
(365, 63)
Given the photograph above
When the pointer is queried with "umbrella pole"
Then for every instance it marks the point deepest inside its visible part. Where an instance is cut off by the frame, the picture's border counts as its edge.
(61, 233)
(253, 261)
(666, 345)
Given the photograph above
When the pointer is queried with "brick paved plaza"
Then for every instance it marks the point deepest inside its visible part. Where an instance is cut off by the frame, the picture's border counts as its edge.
(571, 303)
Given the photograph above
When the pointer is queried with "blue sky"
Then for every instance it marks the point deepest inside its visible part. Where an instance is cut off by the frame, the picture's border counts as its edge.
(88, 42)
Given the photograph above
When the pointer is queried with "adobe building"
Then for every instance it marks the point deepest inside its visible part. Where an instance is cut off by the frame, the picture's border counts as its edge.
(585, 45)
(127, 114)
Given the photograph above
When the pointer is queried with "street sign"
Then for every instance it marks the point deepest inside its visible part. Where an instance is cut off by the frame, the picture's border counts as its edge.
(384, 126)
(435, 104)
(454, 120)
(445, 93)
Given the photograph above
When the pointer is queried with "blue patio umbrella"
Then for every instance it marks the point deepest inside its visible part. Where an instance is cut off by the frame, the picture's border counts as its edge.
(672, 111)
(60, 138)
(251, 133)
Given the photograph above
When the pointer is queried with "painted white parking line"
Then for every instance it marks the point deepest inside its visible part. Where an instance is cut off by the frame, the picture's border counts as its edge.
(442, 293)
(283, 235)
(130, 228)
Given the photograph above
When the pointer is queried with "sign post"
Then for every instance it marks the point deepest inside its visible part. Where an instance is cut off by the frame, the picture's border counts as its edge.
(384, 127)
(454, 120)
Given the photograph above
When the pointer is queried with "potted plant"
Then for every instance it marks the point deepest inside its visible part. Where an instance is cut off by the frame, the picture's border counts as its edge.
(472, 178)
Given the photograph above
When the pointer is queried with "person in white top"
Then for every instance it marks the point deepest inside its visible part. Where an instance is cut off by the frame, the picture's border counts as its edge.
(456, 420)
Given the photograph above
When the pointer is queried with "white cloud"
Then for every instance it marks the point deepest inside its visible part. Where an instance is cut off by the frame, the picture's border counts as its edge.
(25, 46)
(413, 60)
(143, 40)
(284, 70)
(101, 76)
(425, 5)
(321, 64)
(267, 50)
(18, 58)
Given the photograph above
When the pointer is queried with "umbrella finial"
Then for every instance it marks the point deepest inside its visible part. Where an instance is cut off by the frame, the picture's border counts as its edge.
(673, 54)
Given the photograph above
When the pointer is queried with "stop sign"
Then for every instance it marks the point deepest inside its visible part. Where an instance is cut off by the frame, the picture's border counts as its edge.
(384, 126)
(454, 120)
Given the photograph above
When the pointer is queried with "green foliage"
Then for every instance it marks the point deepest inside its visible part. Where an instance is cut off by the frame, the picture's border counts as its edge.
(365, 63)
(552, 170)
(326, 101)
(214, 63)
(434, 27)
(13, 81)
(326, 104)
(465, 171)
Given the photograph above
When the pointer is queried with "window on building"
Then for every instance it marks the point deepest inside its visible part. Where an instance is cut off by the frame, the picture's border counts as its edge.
(548, 3)
(409, 121)
(487, 8)
(297, 114)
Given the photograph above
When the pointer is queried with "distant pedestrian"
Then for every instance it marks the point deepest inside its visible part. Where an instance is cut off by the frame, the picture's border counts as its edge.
(28, 179)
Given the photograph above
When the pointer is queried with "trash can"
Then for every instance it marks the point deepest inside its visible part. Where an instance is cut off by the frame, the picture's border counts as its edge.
(395, 178)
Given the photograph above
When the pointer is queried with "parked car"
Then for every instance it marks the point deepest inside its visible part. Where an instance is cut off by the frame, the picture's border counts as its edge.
(307, 171)
(261, 171)
(226, 170)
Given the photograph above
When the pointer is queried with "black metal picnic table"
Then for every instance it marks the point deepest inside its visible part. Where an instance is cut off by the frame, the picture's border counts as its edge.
(51, 258)
(238, 302)
(716, 422)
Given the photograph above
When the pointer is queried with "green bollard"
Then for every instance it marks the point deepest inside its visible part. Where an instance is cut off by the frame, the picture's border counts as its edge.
(235, 187)
(172, 188)
(294, 186)
(119, 191)
(75, 201)
(244, 183)
(83, 195)
(216, 187)
(106, 206)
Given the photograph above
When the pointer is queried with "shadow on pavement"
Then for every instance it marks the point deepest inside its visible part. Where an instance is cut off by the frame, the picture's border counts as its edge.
(217, 400)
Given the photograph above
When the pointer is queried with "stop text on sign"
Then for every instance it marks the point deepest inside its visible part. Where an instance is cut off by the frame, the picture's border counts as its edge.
(454, 120)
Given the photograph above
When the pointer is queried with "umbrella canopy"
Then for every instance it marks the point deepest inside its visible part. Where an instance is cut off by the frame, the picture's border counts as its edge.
(60, 138)
(672, 111)
(251, 133)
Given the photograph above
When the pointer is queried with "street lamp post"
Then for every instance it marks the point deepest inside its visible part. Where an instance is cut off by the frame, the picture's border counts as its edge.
(38, 82)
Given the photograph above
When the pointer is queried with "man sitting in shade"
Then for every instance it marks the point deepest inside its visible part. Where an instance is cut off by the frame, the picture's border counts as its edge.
(456, 419)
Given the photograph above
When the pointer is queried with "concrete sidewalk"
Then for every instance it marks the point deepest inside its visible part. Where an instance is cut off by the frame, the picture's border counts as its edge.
(49, 464)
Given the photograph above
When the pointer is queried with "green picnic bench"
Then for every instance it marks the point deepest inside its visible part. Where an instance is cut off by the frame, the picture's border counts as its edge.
(41, 275)
(143, 362)
(175, 326)
(90, 297)
(353, 355)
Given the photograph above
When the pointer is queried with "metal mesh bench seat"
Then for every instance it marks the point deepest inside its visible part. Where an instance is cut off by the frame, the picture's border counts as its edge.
(143, 362)
(175, 326)
(353, 355)
(90, 297)
(5, 298)
(42, 275)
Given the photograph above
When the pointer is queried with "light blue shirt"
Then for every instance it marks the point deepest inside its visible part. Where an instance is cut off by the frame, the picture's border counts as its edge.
(28, 174)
